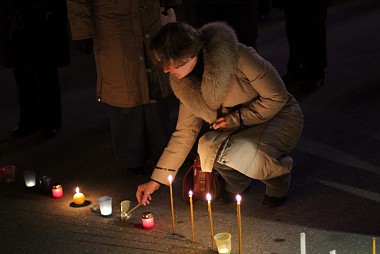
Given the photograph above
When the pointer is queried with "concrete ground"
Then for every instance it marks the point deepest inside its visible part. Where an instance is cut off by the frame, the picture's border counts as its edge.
(335, 193)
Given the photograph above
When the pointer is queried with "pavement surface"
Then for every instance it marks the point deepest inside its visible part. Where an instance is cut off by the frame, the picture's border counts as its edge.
(335, 192)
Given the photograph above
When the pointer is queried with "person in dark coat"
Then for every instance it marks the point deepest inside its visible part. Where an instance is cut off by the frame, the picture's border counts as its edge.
(305, 24)
(34, 43)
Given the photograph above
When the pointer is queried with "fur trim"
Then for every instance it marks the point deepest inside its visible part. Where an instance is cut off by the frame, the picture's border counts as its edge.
(204, 97)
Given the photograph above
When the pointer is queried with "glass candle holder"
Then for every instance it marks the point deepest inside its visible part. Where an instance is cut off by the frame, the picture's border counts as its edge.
(223, 243)
(46, 183)
(30, 178)
(57, 191)
(147, 220)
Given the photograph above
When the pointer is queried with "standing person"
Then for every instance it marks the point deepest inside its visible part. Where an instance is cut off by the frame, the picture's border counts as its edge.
(127, 79)
(305, 24)
(240, 14)
(34, 43)
(261, 121)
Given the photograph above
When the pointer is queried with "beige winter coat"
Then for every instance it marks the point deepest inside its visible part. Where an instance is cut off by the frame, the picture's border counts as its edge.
(119, 30)
(261, 133)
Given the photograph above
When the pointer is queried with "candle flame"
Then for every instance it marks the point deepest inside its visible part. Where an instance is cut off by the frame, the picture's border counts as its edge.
(170, 178)
(77, 189)
(208, 197)
(190, 193)
(238, 198)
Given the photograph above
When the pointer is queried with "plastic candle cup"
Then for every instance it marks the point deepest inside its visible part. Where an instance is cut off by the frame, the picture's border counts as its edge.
(46, 183)
(223, 243)
(57, 191)
(78, 198)
(147, 220)
(105, 205)
(30, 178)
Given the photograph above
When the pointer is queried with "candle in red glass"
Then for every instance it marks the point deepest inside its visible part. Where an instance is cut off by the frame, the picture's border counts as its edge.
(57, 191)
(147, 220)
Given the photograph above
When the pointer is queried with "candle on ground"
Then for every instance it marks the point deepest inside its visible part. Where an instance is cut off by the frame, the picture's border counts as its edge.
(170, 179)
(57, 191)
(191, 215)
(78, 198)
(147, 220)
(238, 200)
(303, 243)
(373, 245)
(208, 197)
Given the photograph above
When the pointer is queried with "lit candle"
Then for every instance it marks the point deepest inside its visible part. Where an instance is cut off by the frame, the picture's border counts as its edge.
(147, 220)
(57, 191)
(303, 243)
(238, 200)
(208, 197)
(30, 178)
(373, 245)
(105, 205)
(191, 215)
(78, 198)
(170, 179)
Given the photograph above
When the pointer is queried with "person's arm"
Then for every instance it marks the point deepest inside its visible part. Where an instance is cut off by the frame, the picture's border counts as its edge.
(179, 146)
(266, 81)
(80, 13)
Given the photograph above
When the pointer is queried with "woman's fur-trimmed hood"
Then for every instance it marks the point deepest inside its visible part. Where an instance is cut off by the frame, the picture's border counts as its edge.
(204, 97)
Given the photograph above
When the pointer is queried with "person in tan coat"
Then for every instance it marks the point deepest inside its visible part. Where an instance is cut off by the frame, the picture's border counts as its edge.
(127, 80)
(261, 121)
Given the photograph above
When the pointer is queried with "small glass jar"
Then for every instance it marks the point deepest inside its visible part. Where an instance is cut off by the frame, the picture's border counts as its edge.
(147, 220)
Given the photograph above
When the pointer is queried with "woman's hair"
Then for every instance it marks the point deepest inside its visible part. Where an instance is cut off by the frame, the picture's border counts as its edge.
(176, 43)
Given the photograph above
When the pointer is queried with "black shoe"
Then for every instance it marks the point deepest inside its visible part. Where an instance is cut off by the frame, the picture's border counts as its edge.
(290, 81)
(311, 85)
(226, 197)
(272, 202)
(50, 133)
(23, 132)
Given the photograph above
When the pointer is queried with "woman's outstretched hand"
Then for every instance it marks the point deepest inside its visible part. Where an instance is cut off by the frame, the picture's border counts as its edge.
(144, 191)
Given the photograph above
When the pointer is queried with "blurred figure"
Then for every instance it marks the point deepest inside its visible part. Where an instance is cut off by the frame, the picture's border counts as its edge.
(34, 43)
(306, 33)
(240, 14)
(127, 79)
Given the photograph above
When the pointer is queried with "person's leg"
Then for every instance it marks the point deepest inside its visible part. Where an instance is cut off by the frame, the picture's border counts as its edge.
(49, 98)
(157, 133)
(29, 122)
(235, 182)
(127, 129)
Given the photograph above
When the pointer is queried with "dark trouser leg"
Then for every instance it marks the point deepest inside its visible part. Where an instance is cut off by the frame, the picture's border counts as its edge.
(158, 134)
(127, 130)
(278, 186)
(28, 103)
(235, 182)
(49, 97)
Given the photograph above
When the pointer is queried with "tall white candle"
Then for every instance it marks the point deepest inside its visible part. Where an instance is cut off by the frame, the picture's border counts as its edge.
(303, 243)
(332, 252)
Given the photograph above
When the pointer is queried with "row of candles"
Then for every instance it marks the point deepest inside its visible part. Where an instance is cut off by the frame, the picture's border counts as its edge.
(147, 219)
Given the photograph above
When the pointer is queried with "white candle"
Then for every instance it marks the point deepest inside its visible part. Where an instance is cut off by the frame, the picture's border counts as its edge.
(303, 243)
(332, 252)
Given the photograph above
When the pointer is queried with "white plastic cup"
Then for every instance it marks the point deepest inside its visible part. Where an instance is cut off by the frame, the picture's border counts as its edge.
(30, 178)
(105, 205)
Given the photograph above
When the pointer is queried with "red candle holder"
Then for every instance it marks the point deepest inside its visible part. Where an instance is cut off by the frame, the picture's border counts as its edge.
(147, 220)
(57, 191)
